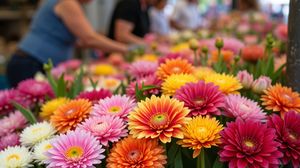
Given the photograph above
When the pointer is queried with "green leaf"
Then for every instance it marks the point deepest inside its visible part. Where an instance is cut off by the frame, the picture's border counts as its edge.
(94, 84)
(77, 85)
(172, 152)
(139, 93)
(26, 113)
(178, 160)
(148, 87)
(276, 75)
(217, 163)
(61, 87)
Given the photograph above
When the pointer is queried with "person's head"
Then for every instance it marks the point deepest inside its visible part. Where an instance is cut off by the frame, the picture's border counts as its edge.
(245, 5)
(160, 4)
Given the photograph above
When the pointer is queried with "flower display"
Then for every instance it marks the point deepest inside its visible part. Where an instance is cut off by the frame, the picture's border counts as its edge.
(36, 133)
(158, 117)
(245, 79)
(142, 69)
(175, 81)
(49, 107)
(35, 91)
(151, 80)
(11, 123)
(174, 66)
(201, 132)
(287, 131)
(104, 69)
(107, 128)
(237, 106)
(253, 53)
(116, 105)
(228, 84)
(40, 150)
(74, 149)
(12, 139)
(132, 152)
(201, 98)
(6, 99)
(68, 116)
(261, 84)
(17, 156)
(202, 72)
(281, 99)
(95, 95)
(249, 143)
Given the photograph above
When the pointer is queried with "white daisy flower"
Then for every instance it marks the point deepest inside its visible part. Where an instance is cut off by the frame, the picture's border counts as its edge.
(37, 133)
(39, 151)
(14, 157)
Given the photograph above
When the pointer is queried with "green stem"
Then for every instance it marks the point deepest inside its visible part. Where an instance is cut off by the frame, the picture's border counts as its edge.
(201, 159)
(195, 58)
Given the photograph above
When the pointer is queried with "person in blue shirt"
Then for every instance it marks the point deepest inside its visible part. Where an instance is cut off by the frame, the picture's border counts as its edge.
(56, 28)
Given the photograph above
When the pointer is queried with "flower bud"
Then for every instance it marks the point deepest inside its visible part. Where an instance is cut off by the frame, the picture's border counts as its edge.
(193, 44)
(245, 78)
(219, 43)
(261, 84)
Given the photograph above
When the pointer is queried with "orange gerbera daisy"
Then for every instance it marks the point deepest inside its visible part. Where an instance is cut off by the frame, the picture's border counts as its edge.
(158, 117)
(67, 117)
(137, 153)
(281, 99)
(227, 55)
(174, 66)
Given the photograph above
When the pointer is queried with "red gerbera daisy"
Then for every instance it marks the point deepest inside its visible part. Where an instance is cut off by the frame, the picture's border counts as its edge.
(288, 135)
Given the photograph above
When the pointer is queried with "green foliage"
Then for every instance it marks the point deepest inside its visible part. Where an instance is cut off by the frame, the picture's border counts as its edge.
(26, 113)
(139, 93)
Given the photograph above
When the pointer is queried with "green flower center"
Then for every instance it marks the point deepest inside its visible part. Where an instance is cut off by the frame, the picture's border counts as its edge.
(114, 109)
(159, 119)
(74, 152)
(249, 144)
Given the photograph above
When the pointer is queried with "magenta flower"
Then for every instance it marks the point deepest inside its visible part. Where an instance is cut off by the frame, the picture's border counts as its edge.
(170, 56)
(105, 128)
(281, 32)
(245, 78)
(149, 80)
(12, 139)
(142, 69)
(261, 84)
(249, 144)
(74, 149)
(95, 95)
(201, 98)
(6, 99)
(237, 106)
(288, 135)
(15, 121)
(116, 105)
(35, 91)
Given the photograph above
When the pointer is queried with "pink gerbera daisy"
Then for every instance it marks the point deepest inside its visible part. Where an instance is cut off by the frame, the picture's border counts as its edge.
(95, 95)
(74, 149)
(12, 139)
(6, 99)
(237, 106)
(11, 123)
(201, 98)
(249, 144)
(116, 105)
(142, 69)
(35, 91)
(288, 135)
(105, 128)
(149, 80)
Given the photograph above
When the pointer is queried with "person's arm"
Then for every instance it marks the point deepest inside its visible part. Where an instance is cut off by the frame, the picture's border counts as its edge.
(123, 33)
(73, 16)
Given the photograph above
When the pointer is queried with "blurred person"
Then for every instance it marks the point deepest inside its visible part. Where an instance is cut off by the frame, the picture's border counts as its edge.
(130, 21)
(58, 26)
(186, 15)
(158, 19)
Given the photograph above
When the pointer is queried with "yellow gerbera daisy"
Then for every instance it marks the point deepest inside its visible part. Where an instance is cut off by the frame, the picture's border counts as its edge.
(180, 47)
(104, 69)
(228, 84)
(175, 81)
(49, 107)
(201, 132)
(202, 72)
(147, 57)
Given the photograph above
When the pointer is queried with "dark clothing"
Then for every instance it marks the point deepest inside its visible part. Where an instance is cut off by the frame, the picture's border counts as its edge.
(131, 11)
(22, 66)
